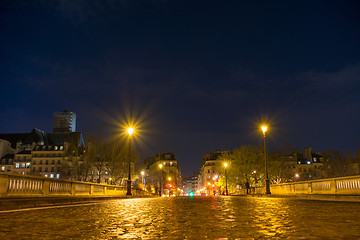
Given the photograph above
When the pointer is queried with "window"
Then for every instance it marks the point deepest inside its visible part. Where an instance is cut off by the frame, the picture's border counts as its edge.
(16, 165)
(34, 162)
(52, 169)
(59, 161)
(47, 162)
(46, 169)
(34, 169)
(61, 148)
(51, 175)
(27, 165)
(9, 169)
(40, 169)
(40, 162)
(3, 168)
(171, 163)
(56, 147)
(57, 175)
(22, 165)
(53, 161)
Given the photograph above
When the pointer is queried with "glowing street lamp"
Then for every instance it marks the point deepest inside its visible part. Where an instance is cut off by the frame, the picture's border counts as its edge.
(130, 132)
(267, 182)
(226, 188)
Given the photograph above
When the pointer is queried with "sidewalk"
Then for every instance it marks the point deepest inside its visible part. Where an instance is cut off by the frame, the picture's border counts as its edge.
(319, 197)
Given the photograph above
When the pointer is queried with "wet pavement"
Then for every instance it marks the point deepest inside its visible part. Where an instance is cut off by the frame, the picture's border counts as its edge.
(188, 218)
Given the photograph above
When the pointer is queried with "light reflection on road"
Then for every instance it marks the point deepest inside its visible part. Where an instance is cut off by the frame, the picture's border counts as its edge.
(188, 218)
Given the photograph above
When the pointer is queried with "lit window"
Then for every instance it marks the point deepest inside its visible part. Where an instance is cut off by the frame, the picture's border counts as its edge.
(51, 175)
(46, 175)
(57, 175)
(308, 162)
(22, 165)
(171, 163)
(17, 165)
(3, 168)
(61, 148)
(56, 147)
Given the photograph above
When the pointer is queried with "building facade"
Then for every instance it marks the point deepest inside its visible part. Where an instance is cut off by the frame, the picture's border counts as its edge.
(64, 121)
(38, 153)
(163, 175)
(208, 176)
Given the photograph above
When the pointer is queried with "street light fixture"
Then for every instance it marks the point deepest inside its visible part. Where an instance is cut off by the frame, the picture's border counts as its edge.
(130, 132)
(267, 182)
(226, 188)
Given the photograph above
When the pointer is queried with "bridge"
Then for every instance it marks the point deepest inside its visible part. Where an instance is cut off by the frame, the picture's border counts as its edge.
(223, 217)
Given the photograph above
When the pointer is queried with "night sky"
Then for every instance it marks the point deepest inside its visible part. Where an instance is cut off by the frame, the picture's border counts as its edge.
(196, 75)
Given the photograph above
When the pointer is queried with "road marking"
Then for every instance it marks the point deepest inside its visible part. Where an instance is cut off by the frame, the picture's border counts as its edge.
(49, 207)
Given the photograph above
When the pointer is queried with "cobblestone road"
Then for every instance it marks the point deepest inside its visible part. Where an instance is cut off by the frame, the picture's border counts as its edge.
(188, 218)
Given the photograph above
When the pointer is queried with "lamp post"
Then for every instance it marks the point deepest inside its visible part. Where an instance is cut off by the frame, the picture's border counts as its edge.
(160, 167)
(143, 179)
(226, 188)
(267, 182)
(130, 131)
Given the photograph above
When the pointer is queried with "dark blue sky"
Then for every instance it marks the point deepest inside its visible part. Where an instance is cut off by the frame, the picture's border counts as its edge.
(199, 75)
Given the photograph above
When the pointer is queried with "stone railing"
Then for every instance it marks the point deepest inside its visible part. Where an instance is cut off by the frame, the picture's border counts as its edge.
(14, 185)
(342, 185)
